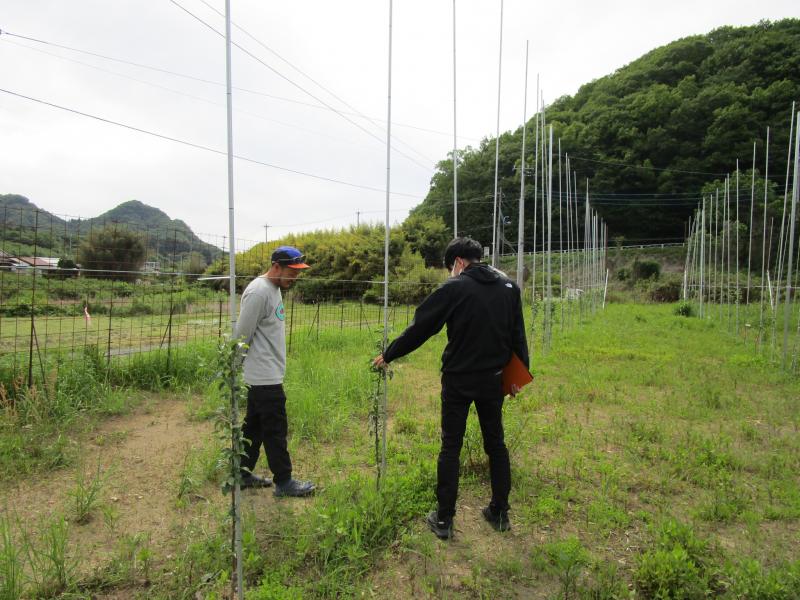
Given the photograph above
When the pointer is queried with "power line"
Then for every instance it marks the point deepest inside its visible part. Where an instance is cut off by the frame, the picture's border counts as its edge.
(206, 81)
(202, 147)
(180, 93)
(298, 86)
(312, 80)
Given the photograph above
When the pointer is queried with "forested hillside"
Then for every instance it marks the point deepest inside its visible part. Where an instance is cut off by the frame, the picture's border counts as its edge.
(648, 136)
(25, 224)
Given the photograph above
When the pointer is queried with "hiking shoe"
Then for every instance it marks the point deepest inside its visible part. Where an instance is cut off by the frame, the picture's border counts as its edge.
(254, 481)
(295, 488)
(442, 529)
(498, 520)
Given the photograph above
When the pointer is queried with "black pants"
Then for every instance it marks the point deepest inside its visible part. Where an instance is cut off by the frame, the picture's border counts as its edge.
(266, 424)
(458, 392)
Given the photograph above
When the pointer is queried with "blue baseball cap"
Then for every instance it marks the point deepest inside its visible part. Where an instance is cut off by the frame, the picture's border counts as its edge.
(289, 256)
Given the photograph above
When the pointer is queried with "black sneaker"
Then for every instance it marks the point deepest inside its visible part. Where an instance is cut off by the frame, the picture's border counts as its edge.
(254, 481)
(498, 520)
(442, 529)
(295, 488)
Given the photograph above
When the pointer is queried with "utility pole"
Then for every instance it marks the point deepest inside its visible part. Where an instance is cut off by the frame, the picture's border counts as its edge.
(266, 233)
(358, 218)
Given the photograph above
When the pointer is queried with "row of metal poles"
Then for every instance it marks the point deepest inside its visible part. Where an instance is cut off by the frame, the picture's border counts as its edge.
(713, 275)
(582, 270)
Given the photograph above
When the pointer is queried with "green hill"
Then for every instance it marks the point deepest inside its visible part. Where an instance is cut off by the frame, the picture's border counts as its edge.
(164, 237)
(650, 135)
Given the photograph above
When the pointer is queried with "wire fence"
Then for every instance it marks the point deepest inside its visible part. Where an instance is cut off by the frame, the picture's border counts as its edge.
(72, 290)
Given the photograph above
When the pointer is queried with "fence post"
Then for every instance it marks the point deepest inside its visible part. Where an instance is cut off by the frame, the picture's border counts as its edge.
(341, 319)
(108, 349)
(291, 322)
(318, 317)
(169, 336)
(219, 323)
(33, 296)
(360, 313)
(408, 312)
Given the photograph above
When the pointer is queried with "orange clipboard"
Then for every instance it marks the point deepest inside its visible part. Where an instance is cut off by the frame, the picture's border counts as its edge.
(515, 373)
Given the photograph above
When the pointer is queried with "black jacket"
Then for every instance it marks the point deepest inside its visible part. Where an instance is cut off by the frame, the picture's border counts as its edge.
(483, 313)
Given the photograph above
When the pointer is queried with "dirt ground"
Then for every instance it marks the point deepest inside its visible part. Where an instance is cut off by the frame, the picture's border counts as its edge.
(140, 456)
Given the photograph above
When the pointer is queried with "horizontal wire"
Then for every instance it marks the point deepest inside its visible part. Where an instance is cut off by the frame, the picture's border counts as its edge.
(201, 147)
(209, 81)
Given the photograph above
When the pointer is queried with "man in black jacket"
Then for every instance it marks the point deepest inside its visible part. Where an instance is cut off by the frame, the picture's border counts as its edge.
(483, 312)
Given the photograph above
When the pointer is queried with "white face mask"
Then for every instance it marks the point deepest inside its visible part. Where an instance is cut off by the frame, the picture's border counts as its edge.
(457, 268)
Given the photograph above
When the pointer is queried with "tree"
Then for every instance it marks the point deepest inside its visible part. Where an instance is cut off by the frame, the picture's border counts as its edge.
(113, 253)
(428, 237)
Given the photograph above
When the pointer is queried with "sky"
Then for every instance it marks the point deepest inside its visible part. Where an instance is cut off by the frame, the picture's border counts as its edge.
(310, 97)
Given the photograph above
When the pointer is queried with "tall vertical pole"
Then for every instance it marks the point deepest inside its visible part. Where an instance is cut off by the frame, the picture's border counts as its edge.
(715, 272)
(702, 252)
(535, 206)
(764, 242)
(455, 138)
(727, 232)
(787, 310)
(750, 225)
(521, 218)
(737, 247)
(686, 261)
(570, 283)
(235, 496)
(384, 408)
(549, 305)
(779, 271)
(497, 142)
(560, 241)
(586, 234)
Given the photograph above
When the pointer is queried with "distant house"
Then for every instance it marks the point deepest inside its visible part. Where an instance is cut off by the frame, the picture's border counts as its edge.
(8, 262)
(37, 263)
(152, 267)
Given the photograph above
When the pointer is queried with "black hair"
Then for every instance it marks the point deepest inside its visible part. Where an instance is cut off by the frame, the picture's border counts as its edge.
(462, 247)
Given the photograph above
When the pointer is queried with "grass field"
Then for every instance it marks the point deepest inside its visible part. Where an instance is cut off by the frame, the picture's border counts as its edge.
(655, 456)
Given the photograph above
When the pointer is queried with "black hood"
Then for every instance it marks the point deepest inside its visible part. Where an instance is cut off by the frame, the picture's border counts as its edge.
(482, 273)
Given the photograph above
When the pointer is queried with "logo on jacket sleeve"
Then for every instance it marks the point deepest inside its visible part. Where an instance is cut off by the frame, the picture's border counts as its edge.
(280, 312)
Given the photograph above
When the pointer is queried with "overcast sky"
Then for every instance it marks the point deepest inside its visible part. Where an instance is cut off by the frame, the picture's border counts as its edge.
(72, 165)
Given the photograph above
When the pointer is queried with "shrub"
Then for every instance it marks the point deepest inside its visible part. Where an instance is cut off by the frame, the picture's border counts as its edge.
(677, 567)
(669, 574)
(645, 269)
(684, 309)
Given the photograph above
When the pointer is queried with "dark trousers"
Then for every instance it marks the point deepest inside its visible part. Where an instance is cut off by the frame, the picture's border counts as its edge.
(266, 424)
(458, 392)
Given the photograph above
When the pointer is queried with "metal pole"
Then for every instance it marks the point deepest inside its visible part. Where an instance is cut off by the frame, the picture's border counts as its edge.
(535, 208)
(764, 241)
(702, 252)
(737, 247)
(788, 296)
(686, 262)
(521, 218)
(497, 142)
(560, 242)
(384, 408)
(238, 583)
(750, 225)
(549, 306)
(455, 139)
(783, 216)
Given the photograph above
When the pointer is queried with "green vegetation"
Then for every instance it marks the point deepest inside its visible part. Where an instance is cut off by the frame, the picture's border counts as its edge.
(26, 227)
(664, 124)
(112, 253)
(347, 263)
(654, 454)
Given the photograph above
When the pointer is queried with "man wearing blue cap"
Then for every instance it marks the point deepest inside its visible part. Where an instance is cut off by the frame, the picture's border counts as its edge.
(261, 326)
